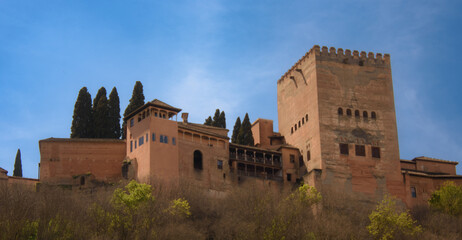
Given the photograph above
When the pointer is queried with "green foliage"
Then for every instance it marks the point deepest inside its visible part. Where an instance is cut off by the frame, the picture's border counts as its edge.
(114, 114)
(307, 195)
(219, 120)
(208, 121)
(387, 221)
(448, 199)
(236, 128)
(82, 118)
(133, 196)
(180, 207)
(30, 230)
(101, 123)
(245, 136)
(276, 231)
(136, 101)
(17, 172)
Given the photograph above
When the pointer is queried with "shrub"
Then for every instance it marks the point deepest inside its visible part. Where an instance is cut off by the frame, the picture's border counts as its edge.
(448, 199)
(387, 221)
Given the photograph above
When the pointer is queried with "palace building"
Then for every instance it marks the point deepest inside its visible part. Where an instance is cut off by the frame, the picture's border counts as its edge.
(337, 131)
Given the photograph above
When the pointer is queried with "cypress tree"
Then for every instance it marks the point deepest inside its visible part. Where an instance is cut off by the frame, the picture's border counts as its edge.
(101, 123)
(222, 120)
(114, 114)
(17, 172)
(136, 101)
(216, 119)
(208, 121)
(82, 118)
(245, 136)
(236, 128)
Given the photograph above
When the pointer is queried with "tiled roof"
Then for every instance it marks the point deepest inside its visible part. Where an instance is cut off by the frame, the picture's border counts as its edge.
(82, 140)
(422, 158)
(202, 129)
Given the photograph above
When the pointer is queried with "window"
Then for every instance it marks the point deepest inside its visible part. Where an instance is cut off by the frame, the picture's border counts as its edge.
(413, 192)
(349, 112)
(295, 126)
(135, 144)
(301, 163)
(139, 118)
(306, 117)
(153, 137)
(173, 141)
(289, 177)
(141, 141)
(303, 120)
(373, 115)
(220, 164)
(292, 130)
(132, 122)
(360, 150)
(155, 114)
(82, 180)
(340, 111)
(147, 137)
(131, 146)
(197, 160)
(165, 139)
(161, 139)
(365, 114)
(357, 113)
(375, 152)
(299, 124)
(292, 158)
(344, 149)
(308, 155)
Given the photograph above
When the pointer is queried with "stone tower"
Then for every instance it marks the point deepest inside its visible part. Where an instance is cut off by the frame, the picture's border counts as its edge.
(338, 108)
(151, 142)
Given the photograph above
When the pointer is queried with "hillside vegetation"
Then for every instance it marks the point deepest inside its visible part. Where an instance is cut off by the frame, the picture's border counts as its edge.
(140, 211)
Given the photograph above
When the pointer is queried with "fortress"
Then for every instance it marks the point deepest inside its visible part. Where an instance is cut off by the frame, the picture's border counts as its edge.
(337, 128)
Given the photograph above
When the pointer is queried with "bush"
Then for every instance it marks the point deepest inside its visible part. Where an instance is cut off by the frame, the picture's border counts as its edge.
(448, 199)
(387, 221)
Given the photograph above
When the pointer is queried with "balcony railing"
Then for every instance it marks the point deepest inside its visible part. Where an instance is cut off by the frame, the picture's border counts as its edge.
(262, 175)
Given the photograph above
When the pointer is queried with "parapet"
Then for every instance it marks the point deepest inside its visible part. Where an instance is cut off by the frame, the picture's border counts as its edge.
(345, 57)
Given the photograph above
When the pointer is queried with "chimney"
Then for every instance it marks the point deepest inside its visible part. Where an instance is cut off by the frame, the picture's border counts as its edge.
(185, 117)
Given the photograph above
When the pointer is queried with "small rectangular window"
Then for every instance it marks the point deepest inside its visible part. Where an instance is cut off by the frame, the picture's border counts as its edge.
(360, 150)
(155, 114)
(289, 177)
(344, 148)
(161, 139)
(375, 152)
(308, 155)
(153, 137)
(132, 122)
(147, 137)
(292, 158)
(413, 192)
(220, 164)
(135, 144)
(165, 139)
(141, 141)
(173, 141)
(131, 146)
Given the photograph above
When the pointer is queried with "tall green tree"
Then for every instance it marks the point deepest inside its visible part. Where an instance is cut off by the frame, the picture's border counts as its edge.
(236, 128)
(101, 123)
(208, 121)
(216, 118)
(114, 114)
(82, 118)
(245, 136)
(448, 199)
(136, 101)
(222, 120)
(17, 172)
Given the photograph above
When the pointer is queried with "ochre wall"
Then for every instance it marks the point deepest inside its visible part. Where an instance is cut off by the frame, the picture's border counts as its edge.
(62, 159)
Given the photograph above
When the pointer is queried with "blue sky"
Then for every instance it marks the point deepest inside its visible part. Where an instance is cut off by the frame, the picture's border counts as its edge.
(203, 55)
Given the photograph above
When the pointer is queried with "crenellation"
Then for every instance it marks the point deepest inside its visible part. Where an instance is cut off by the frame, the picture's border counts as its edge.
(363, 54)
(370, 55)
(379, 57)
(340, 52)
(324, 51)
(348, 52)
(332, 52)
(355, 54)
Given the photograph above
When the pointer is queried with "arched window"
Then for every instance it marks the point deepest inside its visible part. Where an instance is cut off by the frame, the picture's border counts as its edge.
(373, 115)
(349, 112)
(357, 113)
(197, 160)
(340, 111)
(365, 114)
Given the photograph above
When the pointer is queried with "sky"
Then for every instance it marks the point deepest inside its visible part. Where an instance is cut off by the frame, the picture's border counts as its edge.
(202, 55)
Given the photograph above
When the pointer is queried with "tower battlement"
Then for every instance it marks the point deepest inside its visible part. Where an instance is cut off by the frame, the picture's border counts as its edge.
(346, 57)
